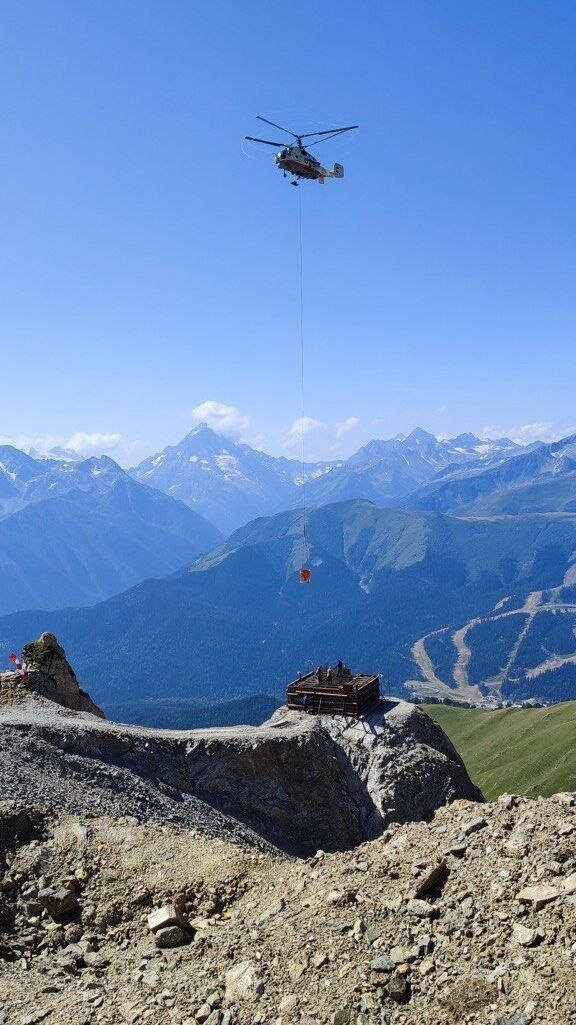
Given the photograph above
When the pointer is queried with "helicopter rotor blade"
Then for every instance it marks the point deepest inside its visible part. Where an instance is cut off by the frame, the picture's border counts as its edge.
(329, 131)
(287, 130)
(265, 141)
(325, 139)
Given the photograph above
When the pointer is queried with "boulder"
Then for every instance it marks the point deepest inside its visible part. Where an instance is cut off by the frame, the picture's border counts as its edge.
(539, 895)
(171, 936)
(58, 901)
(164, 917)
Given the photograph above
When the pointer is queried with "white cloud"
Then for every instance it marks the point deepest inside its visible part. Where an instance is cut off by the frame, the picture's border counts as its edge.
(442, 409)
(221, 418)
(303, 425)
(527, 433)
(346, 425)
(93, 444)
(82, 443)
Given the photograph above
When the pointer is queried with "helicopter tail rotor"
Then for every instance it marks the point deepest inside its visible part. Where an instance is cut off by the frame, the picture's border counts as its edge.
(336, 172)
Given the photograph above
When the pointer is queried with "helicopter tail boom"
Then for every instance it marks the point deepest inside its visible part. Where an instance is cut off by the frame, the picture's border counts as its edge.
(336, 172)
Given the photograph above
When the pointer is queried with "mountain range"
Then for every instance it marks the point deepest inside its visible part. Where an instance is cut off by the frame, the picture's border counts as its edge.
(447, 565)
(231, 483)
(72, 533)
(541, 478)
(237, 622)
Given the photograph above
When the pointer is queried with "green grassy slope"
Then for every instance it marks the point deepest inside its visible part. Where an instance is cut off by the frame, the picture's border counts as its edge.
(514, 750)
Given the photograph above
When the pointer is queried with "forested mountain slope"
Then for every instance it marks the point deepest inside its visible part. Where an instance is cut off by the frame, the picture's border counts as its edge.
(237, 621)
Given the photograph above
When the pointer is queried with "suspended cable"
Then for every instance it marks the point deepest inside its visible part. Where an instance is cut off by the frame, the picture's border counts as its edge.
(304, 573)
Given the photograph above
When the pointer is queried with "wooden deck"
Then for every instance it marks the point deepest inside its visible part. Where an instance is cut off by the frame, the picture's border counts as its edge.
(351, 695)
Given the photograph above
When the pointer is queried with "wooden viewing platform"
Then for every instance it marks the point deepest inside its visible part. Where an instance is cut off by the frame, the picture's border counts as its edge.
(334, 694)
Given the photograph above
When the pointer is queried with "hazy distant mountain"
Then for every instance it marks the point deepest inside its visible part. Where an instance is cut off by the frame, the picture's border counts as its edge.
(539, 479)
(238, 621)
(16, 467)
(231, 484)
(67, 455)
(76, 533)
(388, 471)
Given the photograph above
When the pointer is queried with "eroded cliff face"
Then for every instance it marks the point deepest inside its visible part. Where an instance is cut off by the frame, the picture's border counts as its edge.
(300, 782)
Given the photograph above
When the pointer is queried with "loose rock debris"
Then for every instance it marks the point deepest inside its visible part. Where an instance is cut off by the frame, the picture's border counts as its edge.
(108, 920)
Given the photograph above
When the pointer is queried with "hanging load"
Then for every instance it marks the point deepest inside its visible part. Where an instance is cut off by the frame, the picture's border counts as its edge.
(305, 575)
(296, 160)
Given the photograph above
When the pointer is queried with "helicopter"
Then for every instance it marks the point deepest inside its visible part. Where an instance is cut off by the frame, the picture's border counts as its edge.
(295, 158)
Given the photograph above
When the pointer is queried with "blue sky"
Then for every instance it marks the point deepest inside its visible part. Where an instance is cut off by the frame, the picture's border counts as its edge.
(149, 263)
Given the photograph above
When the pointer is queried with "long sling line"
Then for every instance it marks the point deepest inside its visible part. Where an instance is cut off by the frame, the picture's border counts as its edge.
(302, 390)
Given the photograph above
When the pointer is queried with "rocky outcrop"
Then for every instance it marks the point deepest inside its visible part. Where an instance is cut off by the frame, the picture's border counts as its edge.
(299, 782)
(51, 676)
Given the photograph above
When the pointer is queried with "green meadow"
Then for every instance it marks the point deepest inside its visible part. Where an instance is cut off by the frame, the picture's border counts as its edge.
(514, 750)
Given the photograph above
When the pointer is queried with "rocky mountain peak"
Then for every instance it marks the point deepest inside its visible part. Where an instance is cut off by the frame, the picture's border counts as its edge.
(420, 436)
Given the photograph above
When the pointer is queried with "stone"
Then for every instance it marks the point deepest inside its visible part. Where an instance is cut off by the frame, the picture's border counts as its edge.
(398, 988)
(272, 910)
(58, 901)
(539, 895)
(383, 963)
(39, 1015)
(473, 826)
(565, 797)
(403, 955)
(420, 908)
(507, 801)
(288, 1003)
(342, 1016)
(569, 883)
(526, 937)
(203, 1012)
(516, 846)
(95, 959)
(150, 979)
(215, 1017)
(171, 936)
(296, 968)
(165, 916)
(243, 982)
(432, 877)
(427, 966)
(457, 850)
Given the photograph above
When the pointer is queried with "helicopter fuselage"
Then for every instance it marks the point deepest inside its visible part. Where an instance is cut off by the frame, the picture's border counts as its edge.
(297, 161)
